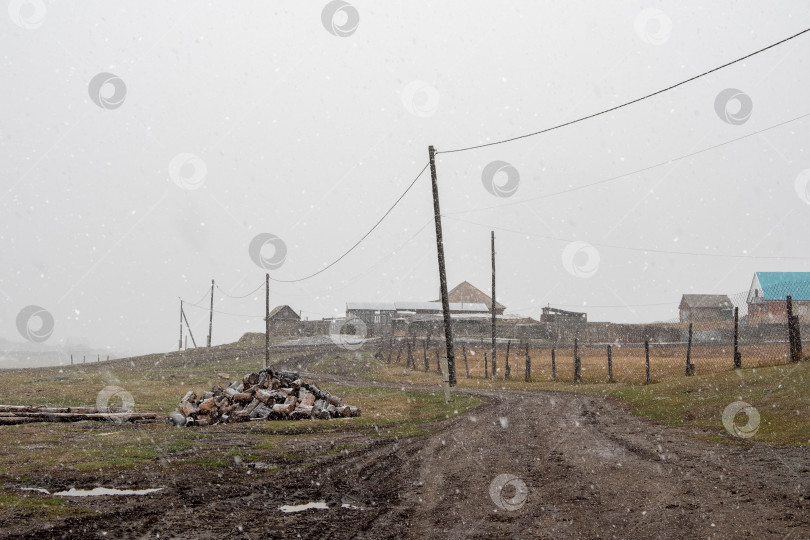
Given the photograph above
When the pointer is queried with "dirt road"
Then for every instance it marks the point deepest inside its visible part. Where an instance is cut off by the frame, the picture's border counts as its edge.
(580, 467)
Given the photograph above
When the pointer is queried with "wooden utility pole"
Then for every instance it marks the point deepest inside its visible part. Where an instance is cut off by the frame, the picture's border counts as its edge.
(210, 314)
(492, 304)
(189, 329)
(737, 355)
(267, 320)
(180, 343)
(448, 328)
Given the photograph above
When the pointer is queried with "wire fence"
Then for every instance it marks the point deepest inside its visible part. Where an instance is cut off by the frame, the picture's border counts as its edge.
(714, 333)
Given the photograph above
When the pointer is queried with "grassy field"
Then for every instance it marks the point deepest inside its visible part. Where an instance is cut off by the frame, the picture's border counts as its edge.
(57, 454)
(781, 394)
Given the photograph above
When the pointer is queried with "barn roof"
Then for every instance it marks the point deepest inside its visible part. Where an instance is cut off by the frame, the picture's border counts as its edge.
(467, 293)
(276, 310)
(717, 301)
(777, 285)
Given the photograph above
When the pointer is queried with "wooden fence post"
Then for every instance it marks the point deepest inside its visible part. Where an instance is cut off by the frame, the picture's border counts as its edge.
(466, 365)
(528, 375)
(507, 370)
(427, 362)
(577, 363)
(553, 365)
(410, 362)
(438, 360)
(737, 354)
(690, 367)
(794, 332)
(486, 369)
(399, 351)
(610, 364)
(647, 357)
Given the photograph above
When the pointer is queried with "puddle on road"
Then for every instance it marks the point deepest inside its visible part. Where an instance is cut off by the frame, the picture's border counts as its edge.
(95, 492)
(318, 505)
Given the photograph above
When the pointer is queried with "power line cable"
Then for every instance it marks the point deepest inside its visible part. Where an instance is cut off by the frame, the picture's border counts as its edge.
(624, 175)
(328, 266)
(243, 296)
(617, 107)
(206, 308)
(639, 249)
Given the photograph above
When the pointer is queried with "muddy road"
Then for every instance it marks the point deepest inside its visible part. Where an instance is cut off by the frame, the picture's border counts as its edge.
(525, 465)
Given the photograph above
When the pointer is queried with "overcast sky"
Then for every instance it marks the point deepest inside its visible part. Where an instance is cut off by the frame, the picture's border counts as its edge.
(222, 121)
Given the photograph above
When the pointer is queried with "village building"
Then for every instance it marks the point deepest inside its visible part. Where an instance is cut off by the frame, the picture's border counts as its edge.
(767, 297)
(284, 313)
(705, 307)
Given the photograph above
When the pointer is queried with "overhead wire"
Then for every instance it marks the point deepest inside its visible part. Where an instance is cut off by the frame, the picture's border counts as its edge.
(627, 103)
(633, 248)
(631, 173)
(334, 262)
(259, 286)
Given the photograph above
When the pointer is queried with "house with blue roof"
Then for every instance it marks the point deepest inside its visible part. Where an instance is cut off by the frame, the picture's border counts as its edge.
(769, 291)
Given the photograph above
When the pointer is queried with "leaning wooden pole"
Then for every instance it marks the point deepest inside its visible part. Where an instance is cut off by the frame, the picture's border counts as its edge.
(737, 354)
(211, 314)
(448, 328)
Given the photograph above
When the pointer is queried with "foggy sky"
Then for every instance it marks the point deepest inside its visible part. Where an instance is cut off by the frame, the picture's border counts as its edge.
(311, 136)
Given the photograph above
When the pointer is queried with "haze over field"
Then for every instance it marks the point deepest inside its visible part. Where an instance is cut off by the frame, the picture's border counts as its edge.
(223, 121)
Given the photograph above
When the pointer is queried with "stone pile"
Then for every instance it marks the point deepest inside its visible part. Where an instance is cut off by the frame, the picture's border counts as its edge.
(266, 395)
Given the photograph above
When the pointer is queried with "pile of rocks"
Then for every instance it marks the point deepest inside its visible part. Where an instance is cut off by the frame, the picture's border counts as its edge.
(266, 395)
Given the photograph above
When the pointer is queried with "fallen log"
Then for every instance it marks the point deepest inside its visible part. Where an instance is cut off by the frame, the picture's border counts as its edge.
(28, 417)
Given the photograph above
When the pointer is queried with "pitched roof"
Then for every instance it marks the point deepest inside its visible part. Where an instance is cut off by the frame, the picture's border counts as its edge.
(719, 301)
(276, 310)
(467, 293)
(777, 285)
